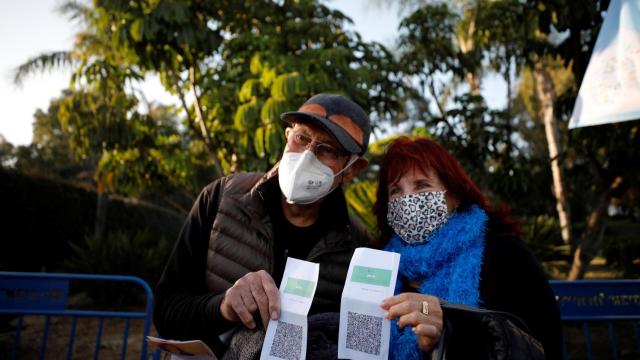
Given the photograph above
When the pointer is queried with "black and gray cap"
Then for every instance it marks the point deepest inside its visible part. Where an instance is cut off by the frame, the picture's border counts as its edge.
(343, 118)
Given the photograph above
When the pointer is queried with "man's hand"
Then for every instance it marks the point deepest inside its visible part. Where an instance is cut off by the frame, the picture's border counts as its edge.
(424, 319)
(254, 291)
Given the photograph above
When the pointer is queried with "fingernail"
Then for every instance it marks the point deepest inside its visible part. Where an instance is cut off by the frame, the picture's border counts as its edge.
(386, 315)
(274, 315)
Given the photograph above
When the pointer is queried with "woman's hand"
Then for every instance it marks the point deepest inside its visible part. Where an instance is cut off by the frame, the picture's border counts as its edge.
(422, 312)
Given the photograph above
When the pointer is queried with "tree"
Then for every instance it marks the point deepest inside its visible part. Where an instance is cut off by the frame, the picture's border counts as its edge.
(442, 46)
(7, 152)
(575, 50)
(52, 153)
(593, 156)
(601, 158)
(205, 51)
(242, 63)
(129, 152)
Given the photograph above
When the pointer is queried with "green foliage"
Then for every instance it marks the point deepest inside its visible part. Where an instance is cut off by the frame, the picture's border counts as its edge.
(129, 152)
(138, 254)
(249, 90)
(245, 63)
(541, 234)
(287, 86)
(599, 155)
(287, 61)
(505, 151)
(621, 247)
(93, 122)
(361, 197)
(243, 60)
(563, 83)
(7, 152)
(272, 109)
(247, 115)
(428, 41)
(445, 44)
(43, 62)
(44, 216)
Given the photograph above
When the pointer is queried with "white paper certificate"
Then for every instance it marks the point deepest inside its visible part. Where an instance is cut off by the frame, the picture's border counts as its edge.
(286, 338)
(364, 332)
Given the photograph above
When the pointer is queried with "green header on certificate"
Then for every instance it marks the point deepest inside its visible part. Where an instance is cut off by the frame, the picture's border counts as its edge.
(299, 287)
(371, 276)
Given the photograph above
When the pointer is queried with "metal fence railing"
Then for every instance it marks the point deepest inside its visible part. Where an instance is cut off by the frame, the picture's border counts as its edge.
(583, 305)
(606, 304)
(47, 294)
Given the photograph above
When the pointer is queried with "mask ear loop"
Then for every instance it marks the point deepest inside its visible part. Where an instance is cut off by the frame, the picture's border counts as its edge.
(351, 162)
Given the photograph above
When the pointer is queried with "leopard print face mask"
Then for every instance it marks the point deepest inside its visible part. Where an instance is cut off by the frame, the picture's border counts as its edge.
(414, 217)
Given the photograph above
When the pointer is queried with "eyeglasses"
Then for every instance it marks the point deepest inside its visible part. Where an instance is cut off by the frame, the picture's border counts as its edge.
(325, 152)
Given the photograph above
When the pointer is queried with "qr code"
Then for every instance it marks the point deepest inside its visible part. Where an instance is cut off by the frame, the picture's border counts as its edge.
(287, 342)
(364, 333)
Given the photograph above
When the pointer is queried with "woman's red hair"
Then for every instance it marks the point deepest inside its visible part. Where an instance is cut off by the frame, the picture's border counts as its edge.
(406, 154)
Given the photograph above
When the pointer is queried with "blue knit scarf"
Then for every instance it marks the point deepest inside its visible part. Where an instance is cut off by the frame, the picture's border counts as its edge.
(448, 266)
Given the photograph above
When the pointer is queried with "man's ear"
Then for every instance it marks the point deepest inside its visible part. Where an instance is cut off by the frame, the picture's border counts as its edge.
(354, 169)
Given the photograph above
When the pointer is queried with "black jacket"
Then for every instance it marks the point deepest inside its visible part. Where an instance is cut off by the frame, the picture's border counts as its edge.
(511, 280)
(229, 233)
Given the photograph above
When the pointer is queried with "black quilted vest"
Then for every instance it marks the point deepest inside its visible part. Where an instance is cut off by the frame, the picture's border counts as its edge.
(241, 241)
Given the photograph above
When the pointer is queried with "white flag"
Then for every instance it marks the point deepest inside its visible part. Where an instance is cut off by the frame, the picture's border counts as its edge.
(610, 90)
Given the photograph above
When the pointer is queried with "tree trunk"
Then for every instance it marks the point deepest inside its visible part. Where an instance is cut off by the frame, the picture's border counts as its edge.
(474, 83)
(546, 95)
(201, 122)
(508, 127)
(202, 130)
(467, 44)
(101, 211)
(594, 226)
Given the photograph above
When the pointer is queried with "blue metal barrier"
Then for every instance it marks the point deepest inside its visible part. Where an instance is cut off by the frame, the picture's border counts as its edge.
(599, 301)
(46, 294)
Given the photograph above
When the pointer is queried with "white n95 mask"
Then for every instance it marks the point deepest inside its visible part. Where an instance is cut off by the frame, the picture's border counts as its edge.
(303, 178)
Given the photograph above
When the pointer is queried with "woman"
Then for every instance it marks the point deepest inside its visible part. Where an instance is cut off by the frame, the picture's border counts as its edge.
(454, 247)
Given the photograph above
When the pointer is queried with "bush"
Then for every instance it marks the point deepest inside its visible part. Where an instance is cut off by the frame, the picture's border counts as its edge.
(140, 254)
(621, 247)
(542, 236)
(360, 198)
(43, 219)
(40, 218)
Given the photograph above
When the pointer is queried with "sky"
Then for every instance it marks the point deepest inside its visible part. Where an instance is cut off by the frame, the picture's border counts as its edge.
(45, 30)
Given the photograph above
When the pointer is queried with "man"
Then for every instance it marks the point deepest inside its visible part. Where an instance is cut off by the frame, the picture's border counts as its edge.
(231, 252)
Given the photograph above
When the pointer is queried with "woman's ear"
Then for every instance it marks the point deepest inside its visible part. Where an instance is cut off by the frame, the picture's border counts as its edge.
(354, 169)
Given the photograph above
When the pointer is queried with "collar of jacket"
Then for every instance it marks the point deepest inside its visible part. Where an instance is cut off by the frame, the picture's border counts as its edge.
(255, 203)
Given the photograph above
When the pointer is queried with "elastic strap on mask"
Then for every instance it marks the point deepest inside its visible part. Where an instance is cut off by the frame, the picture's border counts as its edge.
(351, 162)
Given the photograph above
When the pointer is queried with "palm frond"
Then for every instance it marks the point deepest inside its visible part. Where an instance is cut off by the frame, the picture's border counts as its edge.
(75, 10)
(41, 63)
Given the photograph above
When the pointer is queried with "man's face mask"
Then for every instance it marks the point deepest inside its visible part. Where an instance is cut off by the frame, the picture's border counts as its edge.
(304, 179)
(416, 216)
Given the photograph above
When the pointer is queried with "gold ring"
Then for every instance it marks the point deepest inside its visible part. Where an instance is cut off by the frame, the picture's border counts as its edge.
(425, 307)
